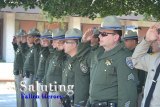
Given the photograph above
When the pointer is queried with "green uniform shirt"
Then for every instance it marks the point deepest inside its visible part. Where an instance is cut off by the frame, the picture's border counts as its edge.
(54, 73)
(42, 61)
(141, 75)
(76, 72)
(15, 46)
(37, 49)
(112, 80)
(28, 67)
(51, 54)
(19, 57)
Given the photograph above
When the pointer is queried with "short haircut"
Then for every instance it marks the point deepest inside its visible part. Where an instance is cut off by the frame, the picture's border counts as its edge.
(119, 32)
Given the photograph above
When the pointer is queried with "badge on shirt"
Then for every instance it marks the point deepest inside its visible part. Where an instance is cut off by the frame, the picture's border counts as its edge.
(69, 66)
(31, 50)
(129, 62)
(83, 67)
(18, 50)
(41, 55)
(108, 62)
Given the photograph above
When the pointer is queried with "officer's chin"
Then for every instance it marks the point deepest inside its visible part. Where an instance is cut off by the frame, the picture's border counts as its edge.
(100, 43)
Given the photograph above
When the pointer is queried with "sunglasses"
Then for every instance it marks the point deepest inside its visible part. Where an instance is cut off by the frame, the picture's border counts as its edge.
(103, 34)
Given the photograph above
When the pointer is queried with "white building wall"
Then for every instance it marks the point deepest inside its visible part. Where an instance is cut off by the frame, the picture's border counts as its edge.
(8, 33)
(74, 22)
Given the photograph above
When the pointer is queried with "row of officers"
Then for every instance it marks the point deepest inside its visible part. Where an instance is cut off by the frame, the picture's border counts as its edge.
(97, 64)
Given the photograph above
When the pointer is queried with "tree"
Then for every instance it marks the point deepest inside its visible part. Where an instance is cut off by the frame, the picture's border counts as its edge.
(89, 8)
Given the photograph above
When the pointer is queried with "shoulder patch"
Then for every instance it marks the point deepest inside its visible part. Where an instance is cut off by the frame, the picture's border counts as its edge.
(83, 67)
(129, 62)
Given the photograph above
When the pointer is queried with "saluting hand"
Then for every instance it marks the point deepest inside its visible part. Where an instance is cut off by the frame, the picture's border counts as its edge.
(87, 35)
(152, 34)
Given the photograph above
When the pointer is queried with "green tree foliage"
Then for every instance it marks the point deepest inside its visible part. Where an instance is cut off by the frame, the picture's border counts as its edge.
(89, 8)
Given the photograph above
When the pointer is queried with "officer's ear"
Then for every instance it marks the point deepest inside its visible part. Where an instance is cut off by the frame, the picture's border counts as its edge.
(117, 38)
(78, 41)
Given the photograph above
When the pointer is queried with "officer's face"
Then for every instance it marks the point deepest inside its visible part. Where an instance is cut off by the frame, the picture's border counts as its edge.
(108, 38)
(54, 43)
(130, 44)
(24, 39)
(45, 42)
(36, 40)
(18, 39)
(70, 46)
(30, 39)
(60, 45)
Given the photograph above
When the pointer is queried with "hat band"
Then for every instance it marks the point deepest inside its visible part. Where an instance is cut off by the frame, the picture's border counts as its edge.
(112, 27)
(131, 37)
(45, 36)
(59, 37)
(73, 37)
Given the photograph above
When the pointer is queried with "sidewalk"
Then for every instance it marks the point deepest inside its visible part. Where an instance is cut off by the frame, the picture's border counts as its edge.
(7, 94)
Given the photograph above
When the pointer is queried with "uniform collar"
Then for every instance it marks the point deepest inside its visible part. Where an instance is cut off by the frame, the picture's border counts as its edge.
(111, 52)
(93, 48)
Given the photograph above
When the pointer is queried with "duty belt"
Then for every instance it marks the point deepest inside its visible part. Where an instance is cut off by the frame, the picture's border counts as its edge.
(104, 104)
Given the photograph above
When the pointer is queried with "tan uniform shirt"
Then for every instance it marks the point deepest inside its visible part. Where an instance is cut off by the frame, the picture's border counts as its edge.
(148, 62)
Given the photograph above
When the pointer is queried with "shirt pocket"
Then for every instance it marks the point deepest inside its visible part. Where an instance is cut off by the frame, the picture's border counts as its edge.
(111, 74)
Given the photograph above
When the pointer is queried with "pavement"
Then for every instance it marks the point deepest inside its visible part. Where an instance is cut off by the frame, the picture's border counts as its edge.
(7, 94)
(7, 100)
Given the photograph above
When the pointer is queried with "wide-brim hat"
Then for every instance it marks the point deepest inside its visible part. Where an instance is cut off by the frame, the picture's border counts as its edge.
(130, 35)
(47, 33)
(21, 33)
(73, 34)
(58, 34)
(111, 23)
(34, 32)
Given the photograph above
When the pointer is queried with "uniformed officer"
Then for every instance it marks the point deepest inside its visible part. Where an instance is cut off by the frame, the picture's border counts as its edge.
(150, 63)
(113, 83)
(94, 42)
(29, 65)
(131, 41)
(54, 73)
(52, 51)
(37, 48)
(18, 64)
(76, 70)
(94, 38)
(44, 52)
